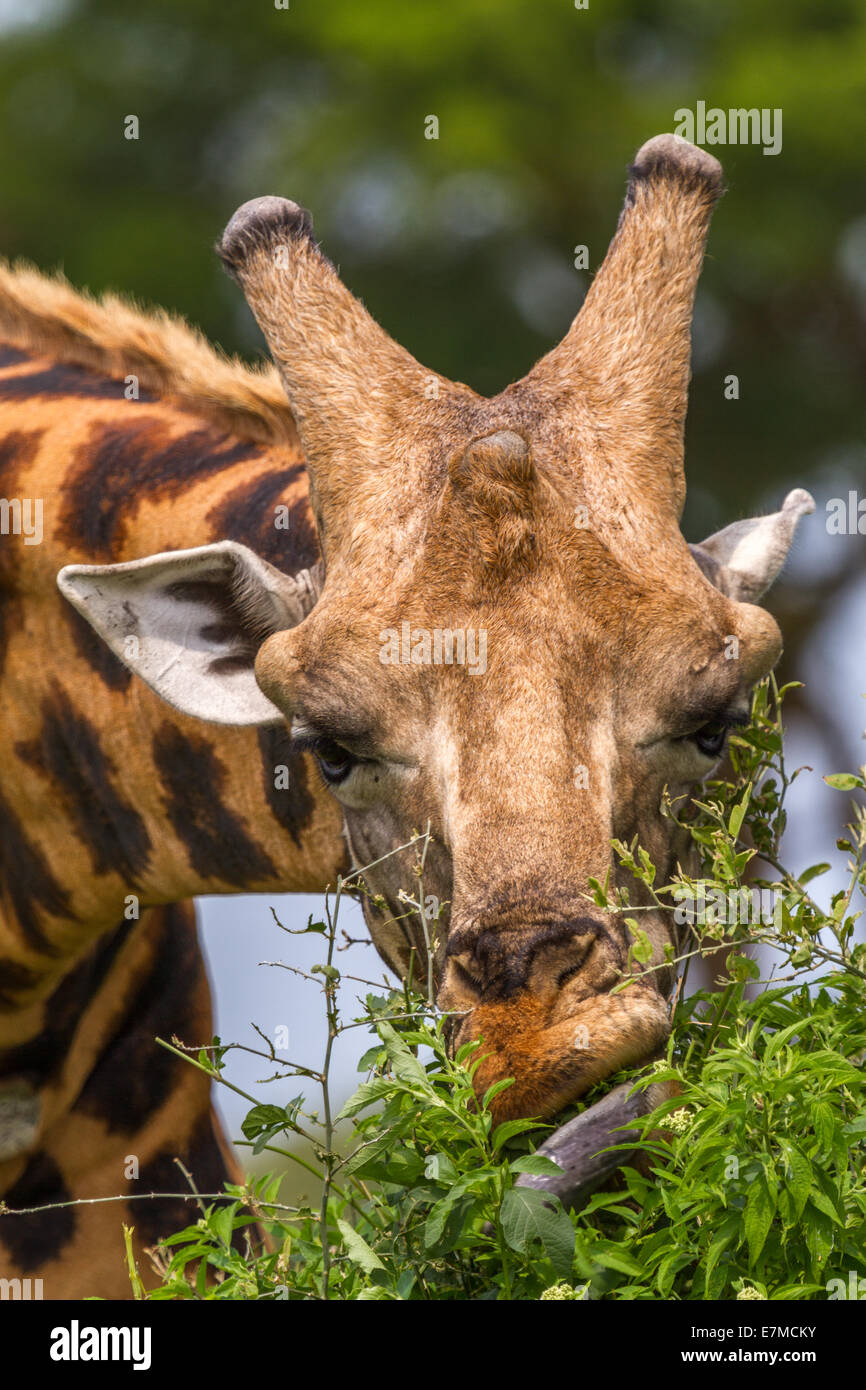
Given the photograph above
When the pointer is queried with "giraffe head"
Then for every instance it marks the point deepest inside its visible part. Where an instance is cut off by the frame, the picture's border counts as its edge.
(507, 637)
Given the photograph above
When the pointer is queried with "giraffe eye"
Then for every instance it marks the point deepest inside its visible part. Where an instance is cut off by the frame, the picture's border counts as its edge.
(711, 738)
(335, 762)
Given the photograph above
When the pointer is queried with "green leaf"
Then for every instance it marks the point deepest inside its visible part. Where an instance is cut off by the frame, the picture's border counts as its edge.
(844, 781)
(370, 1152)
(330, 972)
(797, 1292)
(264, 1121)
(670, 1267)
(782, 1037)
(822, 1120)
(400, 1167)
(221, 1222)
(527, 1215)
(715, 1282)
(371, 1058)
(439, 1168)
(261, 1117)
(717, 1249)
(641, 949)
(819, 1237)
(357, 1248)
(446, 1220)
(539, 1165)
(742, 968)
(367, 1094)
(404, 1063)
(758, 1216)
(737, 815)
(814, 872)
(508, 1129)
(820, 1200)
(493, 1091)
(799, 1179)
(620, 1260)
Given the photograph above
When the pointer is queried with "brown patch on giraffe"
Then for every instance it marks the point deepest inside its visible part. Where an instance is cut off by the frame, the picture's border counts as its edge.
(92, 1152)
(194, 780)
(202, 1154)
(69, 752)
(119, 466)
(59, 380)
(11, 357)
(34, 1239)
(18, 449)
(133, 1075)
(40, 1058)
(246, 514)
(293, 806)
(28, 883)
(15, 980)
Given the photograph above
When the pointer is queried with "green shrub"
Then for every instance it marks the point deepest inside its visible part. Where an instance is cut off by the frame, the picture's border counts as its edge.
(754, 1187)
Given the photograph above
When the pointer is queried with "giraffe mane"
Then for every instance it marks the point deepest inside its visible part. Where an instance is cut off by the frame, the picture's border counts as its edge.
(115, 336)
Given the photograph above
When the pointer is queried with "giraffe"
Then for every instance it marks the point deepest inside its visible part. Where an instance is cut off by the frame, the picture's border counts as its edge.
(545, 521)
(115, 810)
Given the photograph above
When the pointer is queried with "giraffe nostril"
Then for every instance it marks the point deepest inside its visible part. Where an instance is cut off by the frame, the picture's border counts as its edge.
(466, 970)
(569, 973)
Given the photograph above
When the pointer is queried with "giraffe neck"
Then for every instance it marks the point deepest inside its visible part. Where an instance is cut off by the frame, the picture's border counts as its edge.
(112, 1111)
(110, 803)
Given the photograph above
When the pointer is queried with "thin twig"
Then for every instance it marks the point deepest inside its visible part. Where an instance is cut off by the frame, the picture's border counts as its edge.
(140, 1197)
(188, 1175)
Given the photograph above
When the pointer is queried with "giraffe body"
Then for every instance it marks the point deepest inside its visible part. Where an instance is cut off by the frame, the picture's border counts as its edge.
(111, 803)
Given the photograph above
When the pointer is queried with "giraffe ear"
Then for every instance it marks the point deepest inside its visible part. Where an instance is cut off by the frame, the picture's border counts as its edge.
(745, 558)
(190, 623)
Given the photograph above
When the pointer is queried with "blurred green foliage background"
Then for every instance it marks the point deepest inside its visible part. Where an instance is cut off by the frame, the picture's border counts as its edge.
(463, 246)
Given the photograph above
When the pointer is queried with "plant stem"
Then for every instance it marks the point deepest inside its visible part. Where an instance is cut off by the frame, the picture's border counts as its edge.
(330, 992)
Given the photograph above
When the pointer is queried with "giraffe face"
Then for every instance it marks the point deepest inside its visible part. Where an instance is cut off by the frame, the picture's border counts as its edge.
(529, 713)
(507, 638)
(529, 708)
